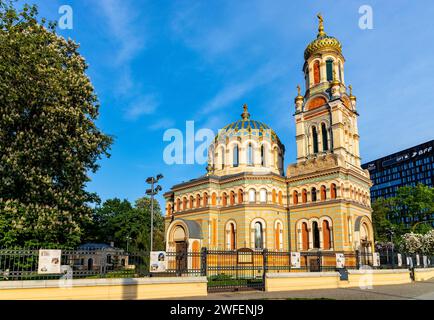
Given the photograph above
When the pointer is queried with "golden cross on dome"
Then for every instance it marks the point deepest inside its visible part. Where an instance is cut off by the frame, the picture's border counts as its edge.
(245, 115)
(321, 32)
(298, 89)
(351, 89)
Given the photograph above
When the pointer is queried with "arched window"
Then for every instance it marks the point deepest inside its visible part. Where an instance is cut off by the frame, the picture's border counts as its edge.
(222, 157)
(224, 199)
(340, 72)
(169, 209)
(278, 236)
(280, 198)
(315, 234)
(263, 156)
(323, 193)
(213, 199)
(316, 72)
(304, 236)
(263, 196)
(198, 201)
(178, 204)
(329, 69)
(184, 203)
(273, 196)
(325, 144)
(313, 194)
(315, 140)
(259, 235)
(236, 156)
(240, 196)
(205, 199)
(250, 155)
(276, 158)
(232, 199)
(326, 235)
(333, 192)
(252, 195)
(304, 196)
(231, 236)
(190, 204)
(295, 197)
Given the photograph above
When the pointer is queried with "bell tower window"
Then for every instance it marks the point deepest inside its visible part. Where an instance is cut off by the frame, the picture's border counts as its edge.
(316, 72)
(315, 140)
(329, 69)
(325, 145)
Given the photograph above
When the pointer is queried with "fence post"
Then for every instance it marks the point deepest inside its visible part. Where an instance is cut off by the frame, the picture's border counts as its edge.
(320, 261)
(357, 260)
(265, 263)
(203, 262)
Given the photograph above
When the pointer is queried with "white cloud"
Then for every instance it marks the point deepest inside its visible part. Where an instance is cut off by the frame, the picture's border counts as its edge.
(145, 105)
(123, 22)
(164, 123)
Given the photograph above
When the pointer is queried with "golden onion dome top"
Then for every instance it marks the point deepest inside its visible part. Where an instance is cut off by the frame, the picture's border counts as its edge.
(323, 41)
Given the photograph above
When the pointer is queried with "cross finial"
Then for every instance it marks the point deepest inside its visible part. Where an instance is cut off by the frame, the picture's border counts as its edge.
(298, 89)
(351, 89)
(321, 32)
(245, 115)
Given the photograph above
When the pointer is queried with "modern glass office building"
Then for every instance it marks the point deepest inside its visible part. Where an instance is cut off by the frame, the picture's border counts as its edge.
(404, 168)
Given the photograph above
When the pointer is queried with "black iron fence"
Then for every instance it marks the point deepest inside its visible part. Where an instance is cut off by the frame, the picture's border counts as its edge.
(222, 267)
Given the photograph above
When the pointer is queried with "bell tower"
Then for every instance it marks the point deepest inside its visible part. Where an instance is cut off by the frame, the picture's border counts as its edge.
(326, 115)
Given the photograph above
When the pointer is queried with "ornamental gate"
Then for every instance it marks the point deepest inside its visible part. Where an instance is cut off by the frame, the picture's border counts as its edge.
(237, 270)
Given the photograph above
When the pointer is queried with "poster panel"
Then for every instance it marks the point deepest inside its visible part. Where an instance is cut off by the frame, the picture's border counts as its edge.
(376, 262)
(399, 260)
(49, 261)
(340, 260)
(158, 261)
(295, 260)
(417, 260)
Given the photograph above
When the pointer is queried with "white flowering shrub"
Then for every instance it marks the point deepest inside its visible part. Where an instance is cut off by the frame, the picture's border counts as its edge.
(418, 243)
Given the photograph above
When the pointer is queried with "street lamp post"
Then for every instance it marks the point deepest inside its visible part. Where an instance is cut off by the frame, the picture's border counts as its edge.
(152, 192)
(390, 231)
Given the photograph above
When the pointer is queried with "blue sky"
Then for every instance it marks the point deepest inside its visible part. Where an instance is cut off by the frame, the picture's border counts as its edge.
(157, 64)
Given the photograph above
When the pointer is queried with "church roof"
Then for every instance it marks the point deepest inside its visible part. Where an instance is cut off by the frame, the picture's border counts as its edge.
(245, 125)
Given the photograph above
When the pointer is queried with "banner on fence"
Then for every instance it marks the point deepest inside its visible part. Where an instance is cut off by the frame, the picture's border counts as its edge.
(376, 262)
(49, 261)
(399, 260)
(417, 260)
(410, 262)
(295, 260)
(340, 260)
(158, 261)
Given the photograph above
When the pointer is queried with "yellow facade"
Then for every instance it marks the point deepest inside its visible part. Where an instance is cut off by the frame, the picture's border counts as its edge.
(247, 200)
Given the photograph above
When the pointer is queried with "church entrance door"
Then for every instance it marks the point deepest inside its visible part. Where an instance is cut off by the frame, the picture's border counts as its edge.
(181, 257)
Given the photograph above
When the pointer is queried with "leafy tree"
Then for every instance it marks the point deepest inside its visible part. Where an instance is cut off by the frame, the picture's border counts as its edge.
(381, 224)
(49, 142)
(117, 220)
(415, 202)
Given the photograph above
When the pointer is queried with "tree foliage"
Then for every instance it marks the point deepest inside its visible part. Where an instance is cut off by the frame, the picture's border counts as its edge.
(48, 139)
(118, 220)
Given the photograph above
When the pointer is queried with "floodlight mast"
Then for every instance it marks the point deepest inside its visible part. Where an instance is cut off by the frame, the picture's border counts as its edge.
(152, 192)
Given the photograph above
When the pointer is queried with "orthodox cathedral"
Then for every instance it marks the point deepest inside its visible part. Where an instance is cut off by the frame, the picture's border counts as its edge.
(246, 200)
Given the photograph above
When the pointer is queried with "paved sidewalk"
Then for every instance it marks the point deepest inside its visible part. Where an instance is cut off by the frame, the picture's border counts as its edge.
(412, 291)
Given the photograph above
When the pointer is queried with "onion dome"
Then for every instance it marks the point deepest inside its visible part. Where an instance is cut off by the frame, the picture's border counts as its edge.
(299, 97)
(352, 98)
(322, 42)
(246, 126)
